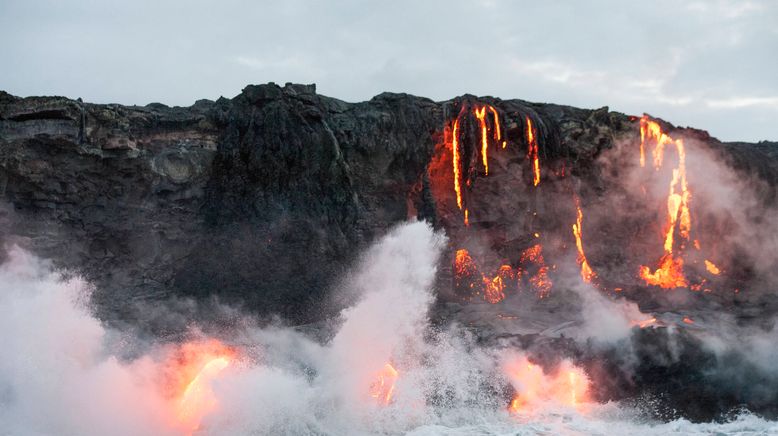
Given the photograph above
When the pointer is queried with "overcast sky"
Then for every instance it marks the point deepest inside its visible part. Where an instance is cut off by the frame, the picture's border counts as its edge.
(707, 64)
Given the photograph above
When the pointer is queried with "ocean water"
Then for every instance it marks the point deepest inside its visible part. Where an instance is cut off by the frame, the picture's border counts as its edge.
(385, 370)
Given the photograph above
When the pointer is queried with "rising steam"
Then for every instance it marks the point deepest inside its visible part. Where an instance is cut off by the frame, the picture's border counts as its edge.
(385, 370)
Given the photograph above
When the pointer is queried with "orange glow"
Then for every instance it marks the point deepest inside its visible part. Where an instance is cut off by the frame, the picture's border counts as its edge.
(382, 388)
(194, 367)
(569, 386)
(712, 268)
(480, 113)
(494, 288)
(645, 323)
(466, 273)
(497, 131)
(456, 157)
(467, 217)
(669, 274)
(463, 263)
(586, 271)
(532, 152)
(688, 320)
(540, 282)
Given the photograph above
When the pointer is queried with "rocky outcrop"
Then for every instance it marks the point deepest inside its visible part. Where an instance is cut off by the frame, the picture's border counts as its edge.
(264, 199)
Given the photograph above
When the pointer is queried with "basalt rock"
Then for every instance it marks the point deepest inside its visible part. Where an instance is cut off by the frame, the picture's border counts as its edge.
(264, 200)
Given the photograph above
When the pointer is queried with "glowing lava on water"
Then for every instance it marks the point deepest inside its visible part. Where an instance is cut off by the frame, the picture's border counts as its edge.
(587, 274)
(532, 152)
(382, 388)
(535, 389)
(195, 366)
(669, 274)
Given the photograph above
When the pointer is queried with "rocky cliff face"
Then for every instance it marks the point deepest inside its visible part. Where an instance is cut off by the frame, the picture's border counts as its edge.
(264, 199)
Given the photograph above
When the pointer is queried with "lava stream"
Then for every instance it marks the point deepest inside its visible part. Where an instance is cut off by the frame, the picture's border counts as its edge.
(532, 152)
(480, 113)
(669, 274)
(456, 157)
(382, 388)
(587, 274)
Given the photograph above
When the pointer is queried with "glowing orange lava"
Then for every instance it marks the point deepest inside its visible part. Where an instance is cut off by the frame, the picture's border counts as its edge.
(669, 274)
(497, 131)
(645, 323)
(535, 389)
(456, 157)
(494, 288)
(532, 153)
(540, 281)
(195, 366)
(586, 271)
(712, 268)
(382, 388)
(480, 113)
(688, 320)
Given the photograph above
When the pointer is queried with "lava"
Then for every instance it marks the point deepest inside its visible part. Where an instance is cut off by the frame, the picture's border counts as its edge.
(382, 388)
(568, 386)
(645, 323)
(494, 288)
(480, 113)
(196, 365)
(497, 131)
(456, 158)
(532, 152)
(540, 281)
(712, 268)
(587, 274)
(669, 274)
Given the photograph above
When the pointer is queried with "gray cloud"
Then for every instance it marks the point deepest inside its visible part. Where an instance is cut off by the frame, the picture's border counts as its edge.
(708, 64)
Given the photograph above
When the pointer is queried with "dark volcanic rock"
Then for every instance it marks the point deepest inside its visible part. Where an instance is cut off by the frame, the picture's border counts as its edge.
(264, 200)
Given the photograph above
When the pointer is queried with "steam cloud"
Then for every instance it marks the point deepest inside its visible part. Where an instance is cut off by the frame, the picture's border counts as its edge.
(60, 375)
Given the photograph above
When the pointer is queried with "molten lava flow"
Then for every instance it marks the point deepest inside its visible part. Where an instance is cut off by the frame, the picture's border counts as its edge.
(688, 320)
(535, 389)
(645, 323)
(456, 158)
(669, 274)
(463, 263)
(494, 288)
(497, 131)
(586, 271)
(467, 275)
(532, 152)
(196, 365)
(467, 217)
(480, 113)
(712, 268)
(540, 281)
(382, 388)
